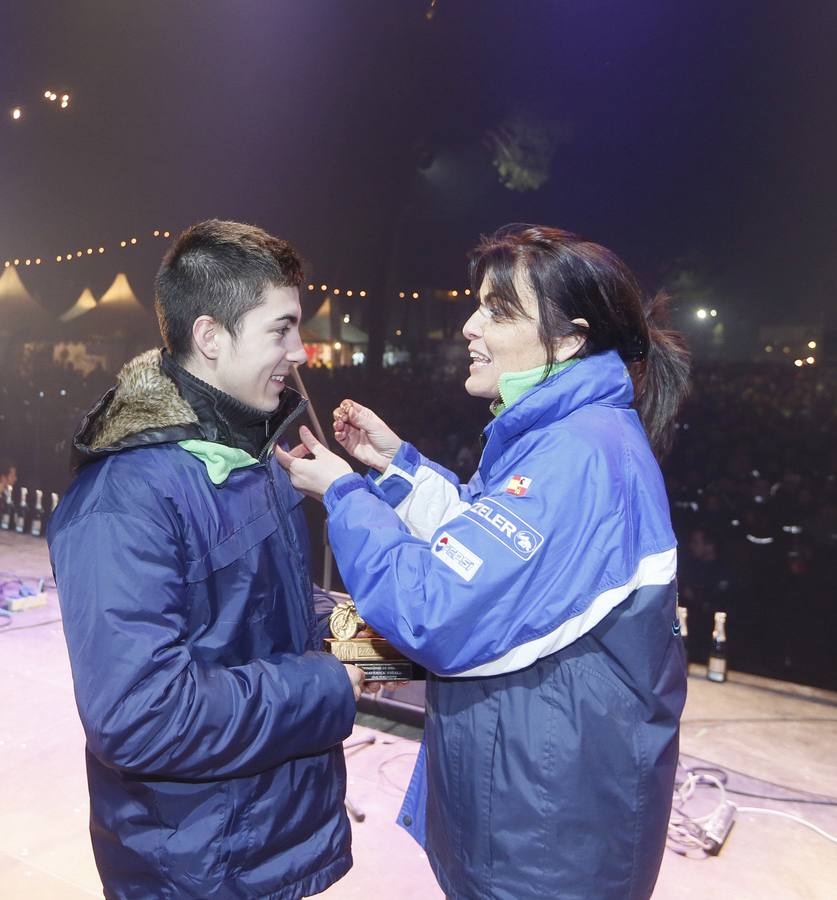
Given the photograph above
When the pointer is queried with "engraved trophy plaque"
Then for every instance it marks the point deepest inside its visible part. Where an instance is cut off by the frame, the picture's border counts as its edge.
(352, 641)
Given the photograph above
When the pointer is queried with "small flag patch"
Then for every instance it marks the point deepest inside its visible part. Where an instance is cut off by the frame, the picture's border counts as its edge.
(518, 485)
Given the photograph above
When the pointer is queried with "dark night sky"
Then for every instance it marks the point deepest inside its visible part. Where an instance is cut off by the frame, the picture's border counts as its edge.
(698, 134)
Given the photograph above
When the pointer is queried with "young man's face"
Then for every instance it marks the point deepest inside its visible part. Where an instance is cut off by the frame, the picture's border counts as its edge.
(252, 367)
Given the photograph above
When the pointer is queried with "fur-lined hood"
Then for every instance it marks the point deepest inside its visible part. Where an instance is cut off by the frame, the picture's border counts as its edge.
(144, 397)
(145, 407)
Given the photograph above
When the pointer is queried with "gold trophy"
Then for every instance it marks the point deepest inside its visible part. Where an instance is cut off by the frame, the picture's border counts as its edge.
(352, 641)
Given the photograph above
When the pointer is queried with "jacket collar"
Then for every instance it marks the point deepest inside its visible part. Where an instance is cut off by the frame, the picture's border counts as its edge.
(149, 406)
(225, 420)
(599, 379)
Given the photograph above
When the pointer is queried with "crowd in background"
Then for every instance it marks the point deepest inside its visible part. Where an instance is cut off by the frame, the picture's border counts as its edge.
(751, 480)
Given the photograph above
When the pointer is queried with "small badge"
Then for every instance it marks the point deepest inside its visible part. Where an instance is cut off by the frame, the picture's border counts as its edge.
(457, 556)
(518, 485)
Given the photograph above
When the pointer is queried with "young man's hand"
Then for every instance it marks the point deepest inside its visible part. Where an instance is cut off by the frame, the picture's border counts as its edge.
(357, 678)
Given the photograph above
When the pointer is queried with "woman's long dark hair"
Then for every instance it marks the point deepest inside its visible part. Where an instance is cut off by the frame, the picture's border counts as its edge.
(576, 279)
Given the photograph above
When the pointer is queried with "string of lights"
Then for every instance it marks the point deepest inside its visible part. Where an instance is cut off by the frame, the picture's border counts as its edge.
(62, 101)
(403, 295)
(128, 243)
(79, 254)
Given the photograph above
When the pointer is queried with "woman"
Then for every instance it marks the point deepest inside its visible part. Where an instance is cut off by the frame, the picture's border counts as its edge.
(541, 595)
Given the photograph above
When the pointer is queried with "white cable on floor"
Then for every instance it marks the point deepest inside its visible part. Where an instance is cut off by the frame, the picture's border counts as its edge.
(784, 815)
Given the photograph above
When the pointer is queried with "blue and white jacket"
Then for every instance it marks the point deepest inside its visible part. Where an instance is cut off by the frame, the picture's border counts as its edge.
(541, 597)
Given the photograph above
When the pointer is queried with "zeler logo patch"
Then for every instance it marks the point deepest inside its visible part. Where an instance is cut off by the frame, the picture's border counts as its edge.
(509, 529)
(456, 556)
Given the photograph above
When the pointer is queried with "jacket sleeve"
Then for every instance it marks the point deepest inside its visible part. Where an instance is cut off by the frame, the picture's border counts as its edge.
(507, 581)
(149, 707)
(423, 494)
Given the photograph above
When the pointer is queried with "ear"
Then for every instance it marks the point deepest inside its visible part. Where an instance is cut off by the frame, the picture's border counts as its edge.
(205, 333)
(567, 347)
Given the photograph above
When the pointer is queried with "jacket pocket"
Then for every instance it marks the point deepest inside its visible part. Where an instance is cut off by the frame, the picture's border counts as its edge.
(232, 547)
(239, 582)
(192, 832)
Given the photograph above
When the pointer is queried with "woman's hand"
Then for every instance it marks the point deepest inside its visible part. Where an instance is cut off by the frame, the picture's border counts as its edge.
(365, 435)
(312, 476)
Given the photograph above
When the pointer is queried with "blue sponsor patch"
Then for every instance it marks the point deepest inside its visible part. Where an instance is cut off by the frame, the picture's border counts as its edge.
(509, 529)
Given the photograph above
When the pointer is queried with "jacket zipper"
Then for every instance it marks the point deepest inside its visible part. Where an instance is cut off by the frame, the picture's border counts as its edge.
(263, 456)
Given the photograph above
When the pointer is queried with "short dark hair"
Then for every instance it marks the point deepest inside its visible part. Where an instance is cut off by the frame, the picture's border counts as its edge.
(219, 269)
(573, 278)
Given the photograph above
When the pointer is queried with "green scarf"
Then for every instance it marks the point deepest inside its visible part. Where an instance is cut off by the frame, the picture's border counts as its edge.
(219, 459)
(513, 385)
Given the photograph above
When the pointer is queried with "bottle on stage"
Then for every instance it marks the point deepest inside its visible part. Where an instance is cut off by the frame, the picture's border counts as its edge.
(683, 619)
(7, 510)
(37, 526)
(717, 668)
(22, 512)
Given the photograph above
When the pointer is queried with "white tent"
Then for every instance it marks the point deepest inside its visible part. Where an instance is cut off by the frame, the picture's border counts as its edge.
(20, 313)
(117, 316)
(322, 328)
(83, 305)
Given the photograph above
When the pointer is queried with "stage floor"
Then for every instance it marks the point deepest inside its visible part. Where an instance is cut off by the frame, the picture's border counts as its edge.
(774, 738)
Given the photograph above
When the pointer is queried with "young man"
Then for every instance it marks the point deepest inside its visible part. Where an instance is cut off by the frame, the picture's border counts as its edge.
(213, 722)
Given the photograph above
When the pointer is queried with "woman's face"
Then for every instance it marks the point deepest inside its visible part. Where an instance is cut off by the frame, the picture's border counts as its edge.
(499, 345)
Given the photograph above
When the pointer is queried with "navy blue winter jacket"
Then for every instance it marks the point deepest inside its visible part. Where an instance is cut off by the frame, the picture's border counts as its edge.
(213, 723)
